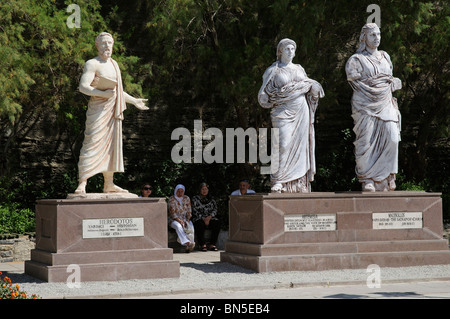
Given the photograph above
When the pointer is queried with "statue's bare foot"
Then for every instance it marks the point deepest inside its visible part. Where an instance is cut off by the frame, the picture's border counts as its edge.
(81, 189)
(368, 187)
(276, 188)
(113, 189)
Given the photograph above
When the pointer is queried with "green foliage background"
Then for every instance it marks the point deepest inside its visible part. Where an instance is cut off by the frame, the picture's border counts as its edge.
(204, 59)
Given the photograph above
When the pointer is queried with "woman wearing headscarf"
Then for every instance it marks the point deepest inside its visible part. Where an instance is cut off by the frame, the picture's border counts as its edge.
(180, 215)
(293, 99)
(204, 211)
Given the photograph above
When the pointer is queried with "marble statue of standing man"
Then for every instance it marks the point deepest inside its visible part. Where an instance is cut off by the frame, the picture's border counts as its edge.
(375, 112)
(102, 146)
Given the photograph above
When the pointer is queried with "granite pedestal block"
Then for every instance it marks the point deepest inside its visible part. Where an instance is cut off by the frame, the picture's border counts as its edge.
(321, 231)
(109, 239)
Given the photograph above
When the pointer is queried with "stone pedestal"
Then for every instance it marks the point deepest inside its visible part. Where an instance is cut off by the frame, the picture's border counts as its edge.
(109, 239)
(320, 231)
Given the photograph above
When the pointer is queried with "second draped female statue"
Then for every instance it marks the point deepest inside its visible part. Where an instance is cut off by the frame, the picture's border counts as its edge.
(375, 112)
(293, 99)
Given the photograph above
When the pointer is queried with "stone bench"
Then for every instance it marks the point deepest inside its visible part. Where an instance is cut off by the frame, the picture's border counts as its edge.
(178, 248)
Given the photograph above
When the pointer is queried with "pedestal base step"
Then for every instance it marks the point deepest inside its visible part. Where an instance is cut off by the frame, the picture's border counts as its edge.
(101, 257)
(317, 262)
(336, 247)
(105, 271)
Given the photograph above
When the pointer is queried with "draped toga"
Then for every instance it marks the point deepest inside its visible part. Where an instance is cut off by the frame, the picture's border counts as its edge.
(375, 114)
(102, 145)
(293, 109)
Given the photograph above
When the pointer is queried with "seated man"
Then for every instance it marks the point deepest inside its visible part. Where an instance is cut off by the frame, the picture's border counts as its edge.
(244, 188)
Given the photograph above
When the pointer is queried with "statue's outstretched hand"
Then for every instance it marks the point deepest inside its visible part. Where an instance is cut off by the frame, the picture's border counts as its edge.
(140, 104)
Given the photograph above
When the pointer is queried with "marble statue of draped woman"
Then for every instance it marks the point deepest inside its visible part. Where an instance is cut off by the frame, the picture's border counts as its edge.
(293, 100)
(375, 113)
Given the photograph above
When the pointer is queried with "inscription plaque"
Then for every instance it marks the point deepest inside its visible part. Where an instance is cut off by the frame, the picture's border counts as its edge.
(310, 222)
(397, 220)
(113, 227)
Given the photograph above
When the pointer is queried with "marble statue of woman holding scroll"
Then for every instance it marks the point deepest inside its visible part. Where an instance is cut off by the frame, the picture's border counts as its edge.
(293, 99)
(375, 112)
(102, 146)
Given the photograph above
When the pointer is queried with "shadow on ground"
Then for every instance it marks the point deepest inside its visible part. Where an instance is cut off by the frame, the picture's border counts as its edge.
(18, 278)
(217, 267)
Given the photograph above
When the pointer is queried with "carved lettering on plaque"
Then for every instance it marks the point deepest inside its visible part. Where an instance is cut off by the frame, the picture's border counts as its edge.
(310, 222)
(397, 220)
(113, 227)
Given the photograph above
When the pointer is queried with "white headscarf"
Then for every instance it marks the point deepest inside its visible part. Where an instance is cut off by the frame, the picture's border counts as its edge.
(175, 192)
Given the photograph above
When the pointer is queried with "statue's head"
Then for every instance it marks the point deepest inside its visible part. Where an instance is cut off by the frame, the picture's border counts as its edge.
(370, 36)
(104, 43)
(286, 49)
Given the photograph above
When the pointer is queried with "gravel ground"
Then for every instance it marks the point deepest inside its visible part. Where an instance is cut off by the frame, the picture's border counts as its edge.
(220, 277)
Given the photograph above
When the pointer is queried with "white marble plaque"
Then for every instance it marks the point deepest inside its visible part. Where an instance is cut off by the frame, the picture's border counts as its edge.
(310, 222)
(397, 220)
(113, 227)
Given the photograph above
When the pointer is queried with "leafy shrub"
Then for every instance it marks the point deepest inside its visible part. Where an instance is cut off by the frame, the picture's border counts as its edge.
(16, 220)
